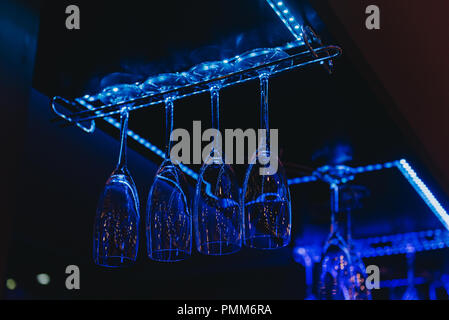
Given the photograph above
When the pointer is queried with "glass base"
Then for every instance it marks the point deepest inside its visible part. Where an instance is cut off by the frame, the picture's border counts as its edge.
(169, 255)
(218, 248)
(266, 242)
(115, 261)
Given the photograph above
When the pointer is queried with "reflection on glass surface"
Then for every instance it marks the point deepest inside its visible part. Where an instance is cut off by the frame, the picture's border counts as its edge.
(265, 198)
(168, 219)
(116, 235)
(217, 215)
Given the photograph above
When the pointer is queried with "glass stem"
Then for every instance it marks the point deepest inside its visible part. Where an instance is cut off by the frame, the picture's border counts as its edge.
(215, 110)
(334, 207)
(124, 116)
(264, 109)
(168, 125)
(215, 106)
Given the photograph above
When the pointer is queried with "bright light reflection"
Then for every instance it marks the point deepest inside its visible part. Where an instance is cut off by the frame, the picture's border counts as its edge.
(11, 284)
(43, 279)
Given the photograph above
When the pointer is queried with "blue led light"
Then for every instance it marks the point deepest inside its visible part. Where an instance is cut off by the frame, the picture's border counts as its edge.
(401, 282)
(389, 245)
(141, 140)
(399, 243)
(287, 18)
(301, 180)
(411, 176)
(424, 192)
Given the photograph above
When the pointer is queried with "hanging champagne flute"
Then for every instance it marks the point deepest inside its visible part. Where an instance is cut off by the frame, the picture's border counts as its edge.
(168, 218)
(336, 264)
(116, 227)
(216, 212)
(266, 196)
(352, 194)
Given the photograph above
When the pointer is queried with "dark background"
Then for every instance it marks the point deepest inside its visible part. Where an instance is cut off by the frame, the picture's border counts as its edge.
(63, 170)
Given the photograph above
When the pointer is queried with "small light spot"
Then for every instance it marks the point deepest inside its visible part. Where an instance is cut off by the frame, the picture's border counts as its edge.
(11, 284)
(43, 279)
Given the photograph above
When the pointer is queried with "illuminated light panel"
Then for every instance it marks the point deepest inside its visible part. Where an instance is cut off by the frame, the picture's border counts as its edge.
(287, 18)
(421, 188)
(147, 144)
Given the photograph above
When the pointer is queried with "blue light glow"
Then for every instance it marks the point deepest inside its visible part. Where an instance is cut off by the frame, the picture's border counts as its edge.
(302, 180)
(142, 141)
(401, 282)
(380, 246)
(400, 243)
(421, 188)
(63, 116)
(411, 176)
(356, 170)
(287, 18)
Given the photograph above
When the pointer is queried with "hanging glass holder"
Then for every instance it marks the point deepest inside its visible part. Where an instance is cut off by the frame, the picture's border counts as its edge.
(83, 111)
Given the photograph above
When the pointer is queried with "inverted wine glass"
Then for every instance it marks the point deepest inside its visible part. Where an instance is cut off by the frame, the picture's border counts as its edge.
(358, 268)
(336, 277)
(116, 227)
(216, 212)
(266, 196)
(168, 218)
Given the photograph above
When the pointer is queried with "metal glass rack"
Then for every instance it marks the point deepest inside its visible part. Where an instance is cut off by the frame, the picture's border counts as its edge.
(89, 108)
(305, 49)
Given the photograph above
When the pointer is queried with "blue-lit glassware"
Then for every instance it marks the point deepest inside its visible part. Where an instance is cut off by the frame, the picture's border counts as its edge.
(168, 218)
(216, 212)
(358, 268)
(336, 276)
(308, 263)
(116, 227)
(266, 197)
(411, 293)
(350, 195)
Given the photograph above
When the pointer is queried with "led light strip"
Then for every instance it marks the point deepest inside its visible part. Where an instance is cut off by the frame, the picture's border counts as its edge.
(144, 142)
(300, 180)
(385, 245)
(287, 18)
(424, 192)
(399, 243)
(411, 176)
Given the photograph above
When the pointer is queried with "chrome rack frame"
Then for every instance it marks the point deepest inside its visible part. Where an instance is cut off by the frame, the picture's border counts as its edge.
(89, 108)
